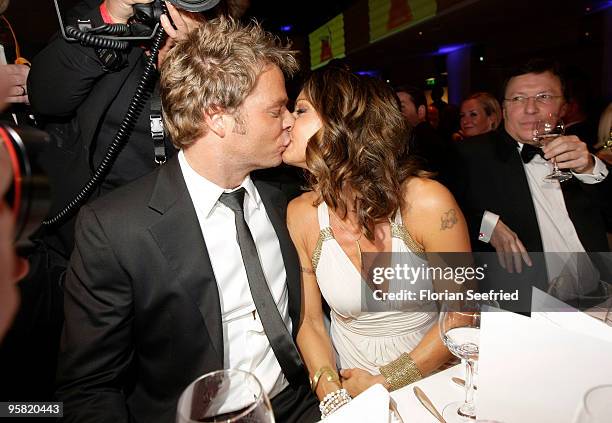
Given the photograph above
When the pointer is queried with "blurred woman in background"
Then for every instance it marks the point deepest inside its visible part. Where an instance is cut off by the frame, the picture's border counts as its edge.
(480, 113)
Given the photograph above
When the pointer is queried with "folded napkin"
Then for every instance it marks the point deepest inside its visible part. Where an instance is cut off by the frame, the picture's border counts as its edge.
(371, 406)
(567, 317)
(533, 371)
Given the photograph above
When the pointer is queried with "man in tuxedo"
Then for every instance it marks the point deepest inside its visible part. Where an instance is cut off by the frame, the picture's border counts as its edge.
(190, 269)
(499, 179)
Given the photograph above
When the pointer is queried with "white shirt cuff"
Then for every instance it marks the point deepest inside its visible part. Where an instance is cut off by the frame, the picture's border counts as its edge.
(599, 173)
(487, 225)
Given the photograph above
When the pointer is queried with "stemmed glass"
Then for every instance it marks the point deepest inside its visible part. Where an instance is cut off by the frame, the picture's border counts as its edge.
(545, 131)
(460, 331)
(228, 396)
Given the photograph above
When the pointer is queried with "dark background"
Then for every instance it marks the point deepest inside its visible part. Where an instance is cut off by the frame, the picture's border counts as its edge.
(500, 33)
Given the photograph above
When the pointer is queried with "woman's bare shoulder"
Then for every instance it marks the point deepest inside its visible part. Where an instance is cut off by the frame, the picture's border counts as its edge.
(302, 219)
(303, 203)
(301, 210)
(425, 195)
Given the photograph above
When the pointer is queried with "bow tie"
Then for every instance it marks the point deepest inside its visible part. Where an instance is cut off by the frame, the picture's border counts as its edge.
(529, 151)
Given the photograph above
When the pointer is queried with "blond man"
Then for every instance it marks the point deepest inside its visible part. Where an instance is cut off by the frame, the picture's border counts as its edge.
(170, 279)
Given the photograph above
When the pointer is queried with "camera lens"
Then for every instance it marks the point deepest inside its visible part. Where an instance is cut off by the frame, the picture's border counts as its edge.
(195, 5)
(28, 194)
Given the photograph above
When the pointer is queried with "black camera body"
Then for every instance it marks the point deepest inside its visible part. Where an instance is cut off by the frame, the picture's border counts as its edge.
(142, 27)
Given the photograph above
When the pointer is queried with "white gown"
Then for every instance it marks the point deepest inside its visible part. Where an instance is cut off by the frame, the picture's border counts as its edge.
(368, 340)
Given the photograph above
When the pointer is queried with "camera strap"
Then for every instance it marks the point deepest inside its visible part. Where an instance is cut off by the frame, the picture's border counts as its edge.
(157, 126)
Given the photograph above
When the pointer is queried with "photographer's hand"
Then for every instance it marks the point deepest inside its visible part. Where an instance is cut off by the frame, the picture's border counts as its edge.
(122, 10)
(184, 23)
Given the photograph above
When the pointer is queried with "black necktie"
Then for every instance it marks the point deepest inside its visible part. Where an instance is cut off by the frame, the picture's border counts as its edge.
(281, 341)
(528, 152)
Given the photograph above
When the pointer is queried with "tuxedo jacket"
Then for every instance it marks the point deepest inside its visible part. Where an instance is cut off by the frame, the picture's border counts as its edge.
(489, 175)
(142, 310)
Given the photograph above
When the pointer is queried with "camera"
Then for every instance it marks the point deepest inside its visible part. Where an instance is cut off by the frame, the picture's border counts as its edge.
(28, 195)
(142, 27)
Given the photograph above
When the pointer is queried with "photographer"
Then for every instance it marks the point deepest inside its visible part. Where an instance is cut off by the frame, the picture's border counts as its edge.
(81, 101)
(80, 104)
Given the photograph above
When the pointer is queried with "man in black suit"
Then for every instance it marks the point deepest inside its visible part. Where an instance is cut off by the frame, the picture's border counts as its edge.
(499, 179)
(80, 102)
(425, 143)
(191, 269)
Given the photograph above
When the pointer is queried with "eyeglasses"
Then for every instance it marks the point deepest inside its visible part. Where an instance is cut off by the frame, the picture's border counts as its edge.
(539, 98)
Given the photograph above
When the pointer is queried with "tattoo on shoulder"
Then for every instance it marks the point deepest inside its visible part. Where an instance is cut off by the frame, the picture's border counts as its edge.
(307, 270)
(448, 219)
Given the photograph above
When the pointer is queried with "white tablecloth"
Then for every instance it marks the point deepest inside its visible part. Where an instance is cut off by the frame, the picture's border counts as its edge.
(440, 390)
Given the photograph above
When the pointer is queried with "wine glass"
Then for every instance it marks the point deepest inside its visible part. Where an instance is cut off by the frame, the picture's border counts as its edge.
(228, 396)
(460, 331)
(595, 406)
(545, 131)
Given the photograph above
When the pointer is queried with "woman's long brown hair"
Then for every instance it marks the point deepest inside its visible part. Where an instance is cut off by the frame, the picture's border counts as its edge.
(361, 146)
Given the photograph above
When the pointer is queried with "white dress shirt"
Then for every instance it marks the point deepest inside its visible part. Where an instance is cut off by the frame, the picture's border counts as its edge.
(245, 344)
(556, 228)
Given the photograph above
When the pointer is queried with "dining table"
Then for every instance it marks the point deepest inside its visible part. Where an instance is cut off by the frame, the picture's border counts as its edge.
(440, 389)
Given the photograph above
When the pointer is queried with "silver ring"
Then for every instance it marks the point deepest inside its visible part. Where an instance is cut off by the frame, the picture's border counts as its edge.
(23, 90)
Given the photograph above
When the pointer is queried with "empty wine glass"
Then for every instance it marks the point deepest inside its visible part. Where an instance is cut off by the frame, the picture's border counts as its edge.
(544, 131)
(595, 406)
(460, 332)
(228, 396)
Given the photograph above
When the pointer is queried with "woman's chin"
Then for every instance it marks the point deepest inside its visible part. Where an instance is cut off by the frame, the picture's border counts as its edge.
(291, 161)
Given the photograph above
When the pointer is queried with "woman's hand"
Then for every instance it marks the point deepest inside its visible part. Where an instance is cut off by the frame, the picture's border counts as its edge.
(355, 381)
(16, 77)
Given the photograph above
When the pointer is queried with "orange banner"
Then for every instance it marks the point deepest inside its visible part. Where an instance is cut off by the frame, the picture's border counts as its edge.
(327, 42)
(390, 16)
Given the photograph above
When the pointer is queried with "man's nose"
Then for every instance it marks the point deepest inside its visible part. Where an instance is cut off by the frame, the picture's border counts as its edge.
(288, 120)
(531, 106)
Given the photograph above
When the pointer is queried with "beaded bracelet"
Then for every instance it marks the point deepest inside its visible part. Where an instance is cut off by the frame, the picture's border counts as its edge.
(400, 372)
(332, 401)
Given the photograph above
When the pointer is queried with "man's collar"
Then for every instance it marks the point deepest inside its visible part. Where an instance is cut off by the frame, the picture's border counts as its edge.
(205, 193)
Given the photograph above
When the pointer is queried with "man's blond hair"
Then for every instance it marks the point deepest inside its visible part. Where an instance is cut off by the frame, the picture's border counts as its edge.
(215, 68)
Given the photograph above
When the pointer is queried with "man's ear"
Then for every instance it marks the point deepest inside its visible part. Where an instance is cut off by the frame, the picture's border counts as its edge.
(422, 113)
(214, 119)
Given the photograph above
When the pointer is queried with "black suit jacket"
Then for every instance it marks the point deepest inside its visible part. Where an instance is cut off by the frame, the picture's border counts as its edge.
(489, 175)
(142, 310)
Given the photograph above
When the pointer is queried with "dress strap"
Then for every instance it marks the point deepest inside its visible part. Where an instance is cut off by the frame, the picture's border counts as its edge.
(323, 213)
(398, 217)
(324, 234)
(398, 230)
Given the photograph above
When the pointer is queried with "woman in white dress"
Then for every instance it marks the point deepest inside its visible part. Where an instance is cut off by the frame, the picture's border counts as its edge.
(349, 134)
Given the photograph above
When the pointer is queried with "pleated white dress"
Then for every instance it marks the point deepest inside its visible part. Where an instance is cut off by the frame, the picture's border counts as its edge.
(365, 339)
